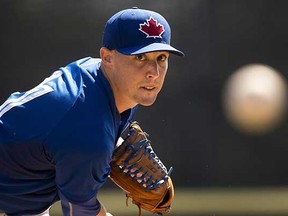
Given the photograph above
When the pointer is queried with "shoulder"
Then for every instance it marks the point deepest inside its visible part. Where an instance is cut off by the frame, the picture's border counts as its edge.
(38, 110)
(67, 83)
(83, 66)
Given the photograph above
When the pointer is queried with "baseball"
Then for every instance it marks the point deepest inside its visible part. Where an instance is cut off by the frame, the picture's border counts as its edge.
(255, 98)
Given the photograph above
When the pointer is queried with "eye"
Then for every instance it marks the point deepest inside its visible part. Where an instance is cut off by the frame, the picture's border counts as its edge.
(140, 57)
(162, 57)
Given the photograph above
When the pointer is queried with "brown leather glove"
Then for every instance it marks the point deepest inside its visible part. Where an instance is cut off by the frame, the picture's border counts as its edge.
(137, 170)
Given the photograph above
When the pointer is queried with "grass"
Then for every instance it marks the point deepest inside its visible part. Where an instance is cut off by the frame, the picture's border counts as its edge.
(206, 202)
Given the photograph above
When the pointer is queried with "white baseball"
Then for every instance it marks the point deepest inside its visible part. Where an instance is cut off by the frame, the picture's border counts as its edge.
(255, 98)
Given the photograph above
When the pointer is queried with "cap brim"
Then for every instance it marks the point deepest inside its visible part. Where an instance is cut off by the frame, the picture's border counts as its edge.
(154, 47)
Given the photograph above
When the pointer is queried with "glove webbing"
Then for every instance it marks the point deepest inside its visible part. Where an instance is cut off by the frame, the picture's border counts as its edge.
(145, 180)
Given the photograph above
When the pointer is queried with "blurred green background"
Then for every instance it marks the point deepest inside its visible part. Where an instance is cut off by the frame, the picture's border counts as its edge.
(205, 202)
(217, 169)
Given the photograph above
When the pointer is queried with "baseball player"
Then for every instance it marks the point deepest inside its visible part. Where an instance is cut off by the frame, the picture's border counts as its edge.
(57, 139)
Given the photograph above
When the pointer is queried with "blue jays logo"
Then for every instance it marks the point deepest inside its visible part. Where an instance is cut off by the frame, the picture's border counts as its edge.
(152, 28)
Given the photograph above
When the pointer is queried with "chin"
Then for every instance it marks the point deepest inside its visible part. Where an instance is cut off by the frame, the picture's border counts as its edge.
(147, 102)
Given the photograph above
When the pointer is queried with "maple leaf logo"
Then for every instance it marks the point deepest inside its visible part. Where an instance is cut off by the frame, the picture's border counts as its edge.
(152, 28)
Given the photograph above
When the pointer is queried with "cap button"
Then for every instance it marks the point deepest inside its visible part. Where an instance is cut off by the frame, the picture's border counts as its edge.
(135, 8)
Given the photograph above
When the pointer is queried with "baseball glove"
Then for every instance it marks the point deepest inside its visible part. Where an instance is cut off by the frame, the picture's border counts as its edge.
(137, 170)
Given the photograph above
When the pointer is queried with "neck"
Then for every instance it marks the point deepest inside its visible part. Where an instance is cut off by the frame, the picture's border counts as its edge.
(120, 102)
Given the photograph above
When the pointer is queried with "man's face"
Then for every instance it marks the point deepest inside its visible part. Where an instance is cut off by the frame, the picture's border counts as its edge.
(137, 79)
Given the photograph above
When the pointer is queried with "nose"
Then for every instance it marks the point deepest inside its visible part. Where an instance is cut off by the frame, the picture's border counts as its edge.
(153, 70)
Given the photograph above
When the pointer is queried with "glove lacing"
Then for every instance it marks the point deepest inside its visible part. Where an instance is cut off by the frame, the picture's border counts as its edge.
(144, 179)
(137, 174)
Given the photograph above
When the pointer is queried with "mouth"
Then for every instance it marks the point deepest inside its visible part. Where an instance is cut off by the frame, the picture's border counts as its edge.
(148, 88)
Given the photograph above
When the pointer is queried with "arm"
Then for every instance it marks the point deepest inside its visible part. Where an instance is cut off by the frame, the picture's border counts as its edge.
(90, 207)
(103, 211)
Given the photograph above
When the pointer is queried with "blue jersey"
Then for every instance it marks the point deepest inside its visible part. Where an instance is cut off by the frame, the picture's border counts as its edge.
(57, 139)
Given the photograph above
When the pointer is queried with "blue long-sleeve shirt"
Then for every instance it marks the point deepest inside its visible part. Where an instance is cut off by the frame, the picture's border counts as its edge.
(57, 139)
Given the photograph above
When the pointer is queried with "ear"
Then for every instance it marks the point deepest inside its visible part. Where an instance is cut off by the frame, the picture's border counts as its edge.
(106, 56)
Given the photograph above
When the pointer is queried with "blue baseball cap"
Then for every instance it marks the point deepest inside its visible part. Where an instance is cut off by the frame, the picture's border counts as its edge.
(135, 31)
